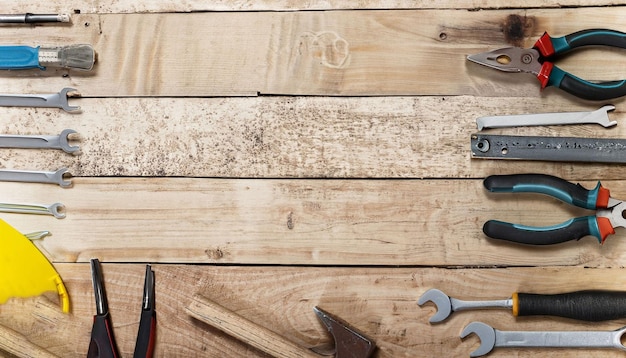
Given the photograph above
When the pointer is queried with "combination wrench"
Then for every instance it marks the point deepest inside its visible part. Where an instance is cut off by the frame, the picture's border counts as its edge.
(60, 141)
(57, 177)
(55, 209)
(52, 100)
(491, 338)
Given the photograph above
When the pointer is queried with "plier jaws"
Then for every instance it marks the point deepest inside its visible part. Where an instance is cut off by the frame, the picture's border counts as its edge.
(510, 59)
(102, 344)
(610, 212)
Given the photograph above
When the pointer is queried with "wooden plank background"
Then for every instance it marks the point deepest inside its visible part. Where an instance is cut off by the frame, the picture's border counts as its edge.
(275, 157)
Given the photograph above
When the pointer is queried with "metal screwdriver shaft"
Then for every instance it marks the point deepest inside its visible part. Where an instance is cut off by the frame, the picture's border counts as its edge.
(29, 18)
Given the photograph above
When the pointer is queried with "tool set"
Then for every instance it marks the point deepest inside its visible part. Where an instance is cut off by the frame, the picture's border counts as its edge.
(589, 305)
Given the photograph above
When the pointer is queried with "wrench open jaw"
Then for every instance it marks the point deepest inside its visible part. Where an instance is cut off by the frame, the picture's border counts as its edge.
(485, 333)
(446, 305)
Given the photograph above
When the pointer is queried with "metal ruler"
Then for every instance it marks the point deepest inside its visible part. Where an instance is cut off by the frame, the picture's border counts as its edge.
(561, 149)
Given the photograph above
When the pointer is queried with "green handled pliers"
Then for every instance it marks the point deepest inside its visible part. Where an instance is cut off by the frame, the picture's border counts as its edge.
(539, 60)
(610, 212)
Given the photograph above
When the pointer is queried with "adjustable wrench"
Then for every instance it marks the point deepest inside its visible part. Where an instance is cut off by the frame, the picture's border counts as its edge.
(36, 177)
(60, 141)
(53, 100)
(491, 338)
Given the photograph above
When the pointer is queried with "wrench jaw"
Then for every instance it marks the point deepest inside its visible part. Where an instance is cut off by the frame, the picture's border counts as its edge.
(485, 333)
(59, 177)
(64, 141)
(442, 304)
(57, 210)
(63, 102)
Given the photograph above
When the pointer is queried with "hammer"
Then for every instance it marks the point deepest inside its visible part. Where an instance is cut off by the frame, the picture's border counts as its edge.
(349, 343)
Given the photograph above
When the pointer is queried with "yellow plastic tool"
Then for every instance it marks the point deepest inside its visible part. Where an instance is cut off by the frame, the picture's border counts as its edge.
(24, 270)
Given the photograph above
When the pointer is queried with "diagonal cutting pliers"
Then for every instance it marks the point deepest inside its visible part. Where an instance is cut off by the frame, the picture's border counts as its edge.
(609, 211)
(539, 60)
(102, 344)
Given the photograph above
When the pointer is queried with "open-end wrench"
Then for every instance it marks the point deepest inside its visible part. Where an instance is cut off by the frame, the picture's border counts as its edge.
(60, 141)
(587, 305)
(491, 338)
(52, 100)
(55, 209)
(26, 176)
(599, 116)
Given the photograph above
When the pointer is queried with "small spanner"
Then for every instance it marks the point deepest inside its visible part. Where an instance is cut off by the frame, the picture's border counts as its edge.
(60, 141)
(491, 338)
(57, 177)
(52, 100)
(55, 209)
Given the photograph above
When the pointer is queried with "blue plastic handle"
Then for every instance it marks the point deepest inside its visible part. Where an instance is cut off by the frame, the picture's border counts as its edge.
(19, 58)
(550, 185)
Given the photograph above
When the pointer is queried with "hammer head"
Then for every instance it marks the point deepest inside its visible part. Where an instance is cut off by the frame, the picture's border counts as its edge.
(349, 343)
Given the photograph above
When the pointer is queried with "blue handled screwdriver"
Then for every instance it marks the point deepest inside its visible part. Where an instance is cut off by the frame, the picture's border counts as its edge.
(80, 57)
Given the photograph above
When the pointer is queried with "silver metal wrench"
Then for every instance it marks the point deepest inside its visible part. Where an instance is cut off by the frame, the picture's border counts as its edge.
(57, 177)
(491, 338)
(56, 209)
(60, 141)
(52, 100)
(599, 116)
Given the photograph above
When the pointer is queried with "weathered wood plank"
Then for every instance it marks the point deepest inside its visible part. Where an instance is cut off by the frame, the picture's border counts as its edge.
(110, 6)
(302, 222)
(287, 137)
(381, 302)
(412, 52)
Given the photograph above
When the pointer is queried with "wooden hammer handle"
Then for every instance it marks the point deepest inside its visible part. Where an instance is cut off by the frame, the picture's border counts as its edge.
(17, 344)
(246, 331)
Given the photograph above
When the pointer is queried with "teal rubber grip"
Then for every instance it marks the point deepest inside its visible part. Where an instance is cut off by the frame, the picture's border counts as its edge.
(19, 58)
(556, 187)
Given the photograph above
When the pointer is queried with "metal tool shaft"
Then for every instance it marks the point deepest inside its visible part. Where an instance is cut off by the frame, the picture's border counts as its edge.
(29, 18)
(564, 149)
(599, 116)
(559, 339)
(36, 177)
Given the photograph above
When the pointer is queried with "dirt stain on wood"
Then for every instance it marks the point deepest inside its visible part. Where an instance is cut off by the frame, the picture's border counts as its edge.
(516, 28)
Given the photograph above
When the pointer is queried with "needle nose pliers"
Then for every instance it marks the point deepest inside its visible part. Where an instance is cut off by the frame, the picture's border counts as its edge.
(102, 344)
(609, 211)
(538, 60)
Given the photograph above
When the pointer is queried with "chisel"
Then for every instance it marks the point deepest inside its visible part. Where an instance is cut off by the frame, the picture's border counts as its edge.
(80, 57)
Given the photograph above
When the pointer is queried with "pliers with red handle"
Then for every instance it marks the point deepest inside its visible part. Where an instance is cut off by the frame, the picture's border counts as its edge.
(102, 344)
(539, 60)
(610, 212)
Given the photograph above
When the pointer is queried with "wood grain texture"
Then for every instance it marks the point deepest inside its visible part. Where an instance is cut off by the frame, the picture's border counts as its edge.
(346, 53)
(128, 6)
(301, 222)
(381, 302)
(294, 137)
(274, 159)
